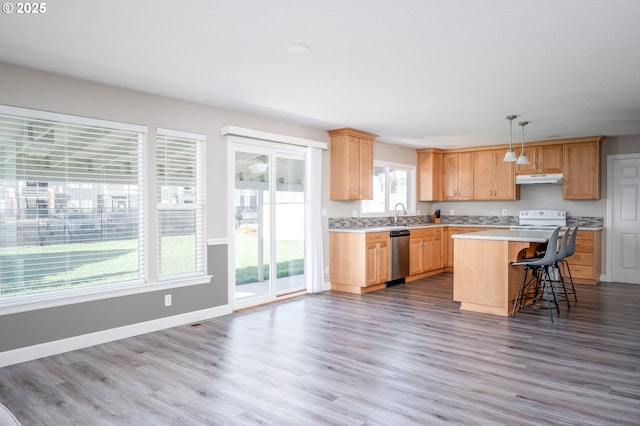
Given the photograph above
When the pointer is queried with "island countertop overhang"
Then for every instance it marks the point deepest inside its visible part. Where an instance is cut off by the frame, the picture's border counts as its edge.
(506, 235)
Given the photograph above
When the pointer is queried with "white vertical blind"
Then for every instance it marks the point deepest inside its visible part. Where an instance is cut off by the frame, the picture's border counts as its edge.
(70, 202)
(180, 203)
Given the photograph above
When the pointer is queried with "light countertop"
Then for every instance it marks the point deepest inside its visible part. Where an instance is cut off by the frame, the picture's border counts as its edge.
(439, 225)
(506, 235)
(410, 227)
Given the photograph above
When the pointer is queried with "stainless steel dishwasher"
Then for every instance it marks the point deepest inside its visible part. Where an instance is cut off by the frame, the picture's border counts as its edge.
(399, 256)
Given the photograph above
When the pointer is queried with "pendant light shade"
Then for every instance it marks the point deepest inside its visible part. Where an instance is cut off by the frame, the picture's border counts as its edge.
(510, 155)
(523, 159)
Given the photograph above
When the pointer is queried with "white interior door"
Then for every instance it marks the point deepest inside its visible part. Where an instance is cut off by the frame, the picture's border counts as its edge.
(624, 210)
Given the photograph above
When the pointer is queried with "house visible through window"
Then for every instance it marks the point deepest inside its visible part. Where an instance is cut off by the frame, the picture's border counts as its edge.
(70, 203)
(180, 203)
(392, 184)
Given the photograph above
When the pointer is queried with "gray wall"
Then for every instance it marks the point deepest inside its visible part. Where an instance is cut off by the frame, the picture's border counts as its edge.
(26, 88)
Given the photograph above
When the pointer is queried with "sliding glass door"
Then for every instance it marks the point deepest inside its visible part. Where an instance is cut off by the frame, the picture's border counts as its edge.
(269, 228)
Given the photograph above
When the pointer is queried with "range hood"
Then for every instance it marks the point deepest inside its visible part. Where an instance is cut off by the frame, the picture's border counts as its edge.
(552, 178)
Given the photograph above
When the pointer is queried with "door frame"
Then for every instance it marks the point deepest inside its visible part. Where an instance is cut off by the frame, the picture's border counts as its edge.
(246, 144)
(608, 275)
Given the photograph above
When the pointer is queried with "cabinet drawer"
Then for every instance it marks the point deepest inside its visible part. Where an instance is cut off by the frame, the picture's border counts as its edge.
(580, 259)
(584, 236)
(584, 246)
(421, 233)
(376, 237)
(582, 271)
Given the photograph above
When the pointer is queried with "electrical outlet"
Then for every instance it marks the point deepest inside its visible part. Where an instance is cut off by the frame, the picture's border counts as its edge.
(326, 269)
(354, 213)
(504, 212)
(451, 212)
(167, 300)
(418, 212)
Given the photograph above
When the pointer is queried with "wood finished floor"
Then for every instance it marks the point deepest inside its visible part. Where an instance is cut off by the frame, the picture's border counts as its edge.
(404, 355)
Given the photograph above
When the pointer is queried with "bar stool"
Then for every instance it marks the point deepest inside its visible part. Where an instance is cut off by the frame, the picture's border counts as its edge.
(559, 275)
(571, 249)
(540, 282)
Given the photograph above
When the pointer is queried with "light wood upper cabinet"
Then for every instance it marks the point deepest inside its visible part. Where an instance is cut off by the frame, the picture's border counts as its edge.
(351, 153)
(582, 171)
(543, 159)
(429, 175)
(457, 175)
(493, 179)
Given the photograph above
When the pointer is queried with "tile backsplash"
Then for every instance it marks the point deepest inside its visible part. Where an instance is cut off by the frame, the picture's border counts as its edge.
(365, 222)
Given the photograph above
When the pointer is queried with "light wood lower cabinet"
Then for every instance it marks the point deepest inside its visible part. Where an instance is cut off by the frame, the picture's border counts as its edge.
(585, 263)
(358, 262)
(425, 252)
(449, 249)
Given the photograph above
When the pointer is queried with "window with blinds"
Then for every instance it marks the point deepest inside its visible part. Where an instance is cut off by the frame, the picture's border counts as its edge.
(71, 210)
(179, 203)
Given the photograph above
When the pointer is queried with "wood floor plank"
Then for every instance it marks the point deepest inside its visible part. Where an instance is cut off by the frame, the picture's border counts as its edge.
(405, 355)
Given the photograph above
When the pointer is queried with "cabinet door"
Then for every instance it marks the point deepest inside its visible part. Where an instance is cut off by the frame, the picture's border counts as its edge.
(372, 264)
(427, 253)
(483, 175)
(450, 176)
(365, 179)
(437, 253)
(457, 176)
(354, 186)
(465, 175)
(582, 171)
(542, 159)
(415, 256)
(549, 159)
(429, 175)
(450, 242)
(377, 263)
(532, 155)
(351, 174)
(504, 178)
(383, 262)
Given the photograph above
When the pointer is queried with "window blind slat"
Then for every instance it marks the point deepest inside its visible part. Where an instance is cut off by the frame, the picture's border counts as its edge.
(179, 208)
(70, 203)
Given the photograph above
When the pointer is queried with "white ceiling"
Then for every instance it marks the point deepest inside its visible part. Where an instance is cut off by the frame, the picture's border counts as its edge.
(423, 73)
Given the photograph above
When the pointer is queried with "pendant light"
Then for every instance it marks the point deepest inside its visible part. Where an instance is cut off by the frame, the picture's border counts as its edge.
(510, 155)
(523, 159)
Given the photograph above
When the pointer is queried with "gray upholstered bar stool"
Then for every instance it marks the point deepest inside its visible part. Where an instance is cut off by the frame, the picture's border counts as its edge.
(540, 285)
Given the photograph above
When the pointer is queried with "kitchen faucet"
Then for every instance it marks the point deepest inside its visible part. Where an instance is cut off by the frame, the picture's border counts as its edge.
(404, 210)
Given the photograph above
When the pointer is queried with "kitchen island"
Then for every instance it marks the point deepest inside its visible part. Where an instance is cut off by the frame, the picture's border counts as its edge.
(483, 278)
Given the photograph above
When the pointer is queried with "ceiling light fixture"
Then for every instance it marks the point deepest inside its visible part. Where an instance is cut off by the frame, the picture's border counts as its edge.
(297, 49)
(510, 155)
(523, 159)
(257, 167)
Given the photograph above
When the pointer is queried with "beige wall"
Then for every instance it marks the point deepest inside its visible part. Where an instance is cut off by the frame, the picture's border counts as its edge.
(32, 89)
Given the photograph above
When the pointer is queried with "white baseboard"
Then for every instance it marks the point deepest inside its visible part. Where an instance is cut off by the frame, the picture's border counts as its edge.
(41, 350)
